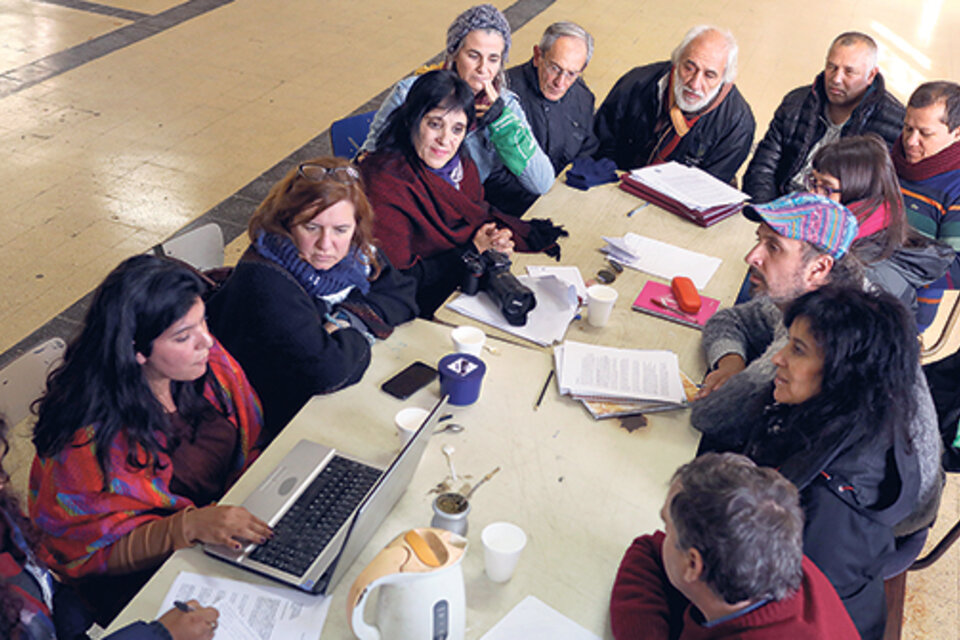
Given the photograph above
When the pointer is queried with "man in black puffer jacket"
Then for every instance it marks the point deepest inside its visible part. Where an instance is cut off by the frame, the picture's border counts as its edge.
(848, 98)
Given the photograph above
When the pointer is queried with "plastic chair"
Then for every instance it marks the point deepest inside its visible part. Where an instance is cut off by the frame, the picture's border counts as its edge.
(348, 134)
(942, 337)
(21, 382)
(201, 248)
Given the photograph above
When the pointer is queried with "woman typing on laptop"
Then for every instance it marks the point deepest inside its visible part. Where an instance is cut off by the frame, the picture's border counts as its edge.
(145, 424)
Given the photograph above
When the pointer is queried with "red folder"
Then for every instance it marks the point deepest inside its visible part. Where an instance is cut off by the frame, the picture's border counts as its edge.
(703, 218)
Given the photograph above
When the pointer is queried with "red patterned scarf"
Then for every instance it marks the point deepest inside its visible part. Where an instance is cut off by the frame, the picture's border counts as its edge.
(80, 520)
(947, 160)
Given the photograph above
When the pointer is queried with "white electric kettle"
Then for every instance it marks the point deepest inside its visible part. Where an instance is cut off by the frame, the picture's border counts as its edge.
(421, 588)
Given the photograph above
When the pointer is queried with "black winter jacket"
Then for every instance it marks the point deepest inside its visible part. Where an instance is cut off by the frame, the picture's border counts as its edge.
(563, 129)
(853, 495)
(718, 143)
(274, 329)
(799, 122)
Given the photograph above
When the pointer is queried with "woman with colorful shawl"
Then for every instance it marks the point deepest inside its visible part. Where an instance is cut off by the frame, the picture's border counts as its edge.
(428, 197)
(311, 293)
(34, 606)
(145, 424)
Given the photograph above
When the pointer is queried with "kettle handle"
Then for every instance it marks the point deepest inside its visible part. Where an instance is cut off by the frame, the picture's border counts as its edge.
(384, 565)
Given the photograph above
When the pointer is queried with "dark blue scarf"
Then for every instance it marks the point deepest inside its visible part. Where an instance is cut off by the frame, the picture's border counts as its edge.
(350, 272)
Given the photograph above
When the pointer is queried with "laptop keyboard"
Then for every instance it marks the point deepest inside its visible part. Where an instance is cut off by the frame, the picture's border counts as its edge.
(309, 525)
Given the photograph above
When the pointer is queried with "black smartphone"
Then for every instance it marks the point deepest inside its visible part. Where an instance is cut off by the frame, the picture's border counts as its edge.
(410, 380)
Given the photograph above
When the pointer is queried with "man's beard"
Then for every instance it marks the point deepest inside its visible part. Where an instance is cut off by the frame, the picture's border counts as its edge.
(780, 298)
(696, 105)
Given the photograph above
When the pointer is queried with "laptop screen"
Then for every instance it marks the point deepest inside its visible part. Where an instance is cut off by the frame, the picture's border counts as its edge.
(382, 498)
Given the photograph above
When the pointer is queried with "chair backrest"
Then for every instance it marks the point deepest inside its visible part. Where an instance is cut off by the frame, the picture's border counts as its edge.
(348, 134)
(201, 248)
(942, 337)
(21, 382)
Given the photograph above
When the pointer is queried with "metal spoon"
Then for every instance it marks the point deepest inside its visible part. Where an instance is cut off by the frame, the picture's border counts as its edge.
(452, 427)
(448, 452)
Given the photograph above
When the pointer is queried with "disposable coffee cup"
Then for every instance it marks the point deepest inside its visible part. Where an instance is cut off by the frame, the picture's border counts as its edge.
(600, 301)
(408, 421)
(503, 542)
(468, 340)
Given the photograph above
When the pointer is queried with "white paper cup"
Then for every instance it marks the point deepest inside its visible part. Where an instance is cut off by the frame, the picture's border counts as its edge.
(600, 301)
(502, 544)
(408, 421)
(468, 340)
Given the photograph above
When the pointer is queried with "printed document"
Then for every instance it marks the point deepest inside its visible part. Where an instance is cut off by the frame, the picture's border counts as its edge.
(589, 371)
(661, 259)
(252, 612)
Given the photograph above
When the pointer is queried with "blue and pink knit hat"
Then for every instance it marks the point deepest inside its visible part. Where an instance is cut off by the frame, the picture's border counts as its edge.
(811, 218)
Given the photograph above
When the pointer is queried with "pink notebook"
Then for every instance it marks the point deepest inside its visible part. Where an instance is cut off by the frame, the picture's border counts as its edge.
(656, 299)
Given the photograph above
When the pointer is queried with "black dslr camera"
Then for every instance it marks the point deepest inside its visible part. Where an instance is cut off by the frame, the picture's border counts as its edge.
(490, 272)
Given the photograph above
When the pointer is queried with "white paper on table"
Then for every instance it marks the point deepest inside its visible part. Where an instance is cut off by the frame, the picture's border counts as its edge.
(570, 275)
(608, 372)
(252, 612)
(532, 619)
(546, 323)
(690, 186)
(661, 259)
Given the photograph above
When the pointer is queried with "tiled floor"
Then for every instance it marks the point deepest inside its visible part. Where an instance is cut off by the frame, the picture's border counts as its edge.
(122, 121)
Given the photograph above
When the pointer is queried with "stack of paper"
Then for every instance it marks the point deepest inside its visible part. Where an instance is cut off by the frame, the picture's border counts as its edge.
(687, 191)
(661, 259)
(644, 380)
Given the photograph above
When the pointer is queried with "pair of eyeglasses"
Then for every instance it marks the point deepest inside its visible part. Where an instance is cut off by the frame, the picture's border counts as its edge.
(556, 70)
(317, 173)
(820, 188)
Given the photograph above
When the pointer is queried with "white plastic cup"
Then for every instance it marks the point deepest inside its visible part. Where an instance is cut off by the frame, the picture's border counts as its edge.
(468, 339)
(408, 421)
(502, 544)
(600, 301)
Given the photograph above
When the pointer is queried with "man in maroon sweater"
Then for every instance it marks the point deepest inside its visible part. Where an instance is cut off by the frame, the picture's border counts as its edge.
(729, 563)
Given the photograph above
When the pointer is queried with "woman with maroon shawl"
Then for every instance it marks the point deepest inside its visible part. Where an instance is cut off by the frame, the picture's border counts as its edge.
(428, 197)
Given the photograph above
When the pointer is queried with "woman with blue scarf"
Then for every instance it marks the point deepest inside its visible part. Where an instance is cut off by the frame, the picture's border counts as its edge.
(311, 293)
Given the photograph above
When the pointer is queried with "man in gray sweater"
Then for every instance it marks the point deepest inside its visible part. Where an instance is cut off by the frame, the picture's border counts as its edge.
(802, 244)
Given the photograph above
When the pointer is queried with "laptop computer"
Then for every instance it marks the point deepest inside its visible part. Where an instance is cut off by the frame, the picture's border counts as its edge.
(324, 507)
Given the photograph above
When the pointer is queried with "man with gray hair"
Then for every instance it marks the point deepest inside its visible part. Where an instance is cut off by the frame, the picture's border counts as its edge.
(558, 106)
(728, 564)
(848, 98)
(687, 110)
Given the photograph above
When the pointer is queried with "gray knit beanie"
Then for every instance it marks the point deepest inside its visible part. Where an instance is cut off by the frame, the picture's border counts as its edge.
(482, 16)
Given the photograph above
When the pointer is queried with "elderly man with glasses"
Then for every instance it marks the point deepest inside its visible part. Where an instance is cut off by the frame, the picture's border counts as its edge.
(686, 109)
(558, 105)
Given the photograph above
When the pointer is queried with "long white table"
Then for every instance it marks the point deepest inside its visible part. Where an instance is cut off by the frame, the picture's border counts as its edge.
(582, 489)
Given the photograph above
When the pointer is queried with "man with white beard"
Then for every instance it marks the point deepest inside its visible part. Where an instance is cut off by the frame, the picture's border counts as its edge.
(686, 109)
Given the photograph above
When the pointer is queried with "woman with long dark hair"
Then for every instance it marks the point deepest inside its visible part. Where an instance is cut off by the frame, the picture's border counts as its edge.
(857, 172)
(312, 292)
(427, 194)
(144, 425)
(34, 606)
(836, 425)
